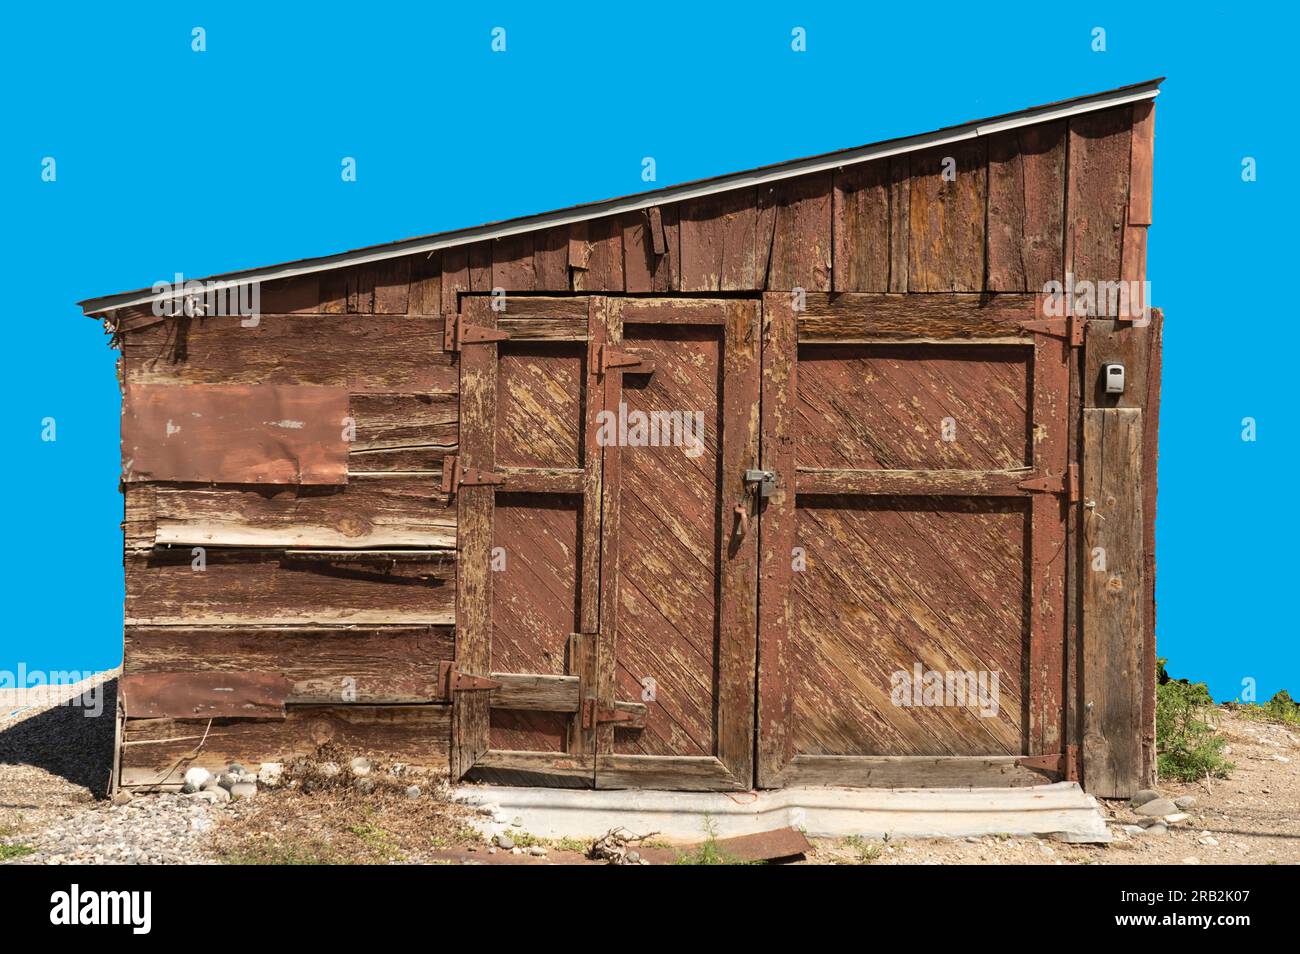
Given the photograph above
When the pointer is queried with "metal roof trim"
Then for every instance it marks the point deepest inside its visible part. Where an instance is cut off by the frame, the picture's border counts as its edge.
(685, 191)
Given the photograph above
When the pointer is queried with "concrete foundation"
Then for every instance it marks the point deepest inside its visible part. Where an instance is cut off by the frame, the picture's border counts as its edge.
(1061, 811)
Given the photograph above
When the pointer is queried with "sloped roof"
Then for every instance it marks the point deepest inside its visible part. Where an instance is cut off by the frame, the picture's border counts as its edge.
(641, 200)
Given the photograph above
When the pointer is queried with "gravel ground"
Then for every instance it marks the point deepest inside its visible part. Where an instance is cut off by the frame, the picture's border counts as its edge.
(54, 765)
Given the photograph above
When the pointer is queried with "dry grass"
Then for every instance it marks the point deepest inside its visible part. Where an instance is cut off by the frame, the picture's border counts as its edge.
(322, 819)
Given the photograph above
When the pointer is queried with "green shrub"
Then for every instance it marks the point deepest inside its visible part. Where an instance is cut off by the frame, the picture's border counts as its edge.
(1281, 708)
(1187, 747)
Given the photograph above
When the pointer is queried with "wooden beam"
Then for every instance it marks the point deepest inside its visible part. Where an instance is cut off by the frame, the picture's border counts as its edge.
(1112, 590)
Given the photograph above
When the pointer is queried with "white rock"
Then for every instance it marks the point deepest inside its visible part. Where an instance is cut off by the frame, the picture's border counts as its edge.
(329, 769)
(197, 777)
(413, 791)
(243, 790)
(360, 766)
(271, 774)
(1176, 817)
(1210, 841)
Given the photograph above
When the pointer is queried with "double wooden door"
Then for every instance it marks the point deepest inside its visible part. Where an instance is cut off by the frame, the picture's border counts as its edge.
(615, 627)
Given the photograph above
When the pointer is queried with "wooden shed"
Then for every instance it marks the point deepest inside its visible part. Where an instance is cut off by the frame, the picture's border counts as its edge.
(739, 483)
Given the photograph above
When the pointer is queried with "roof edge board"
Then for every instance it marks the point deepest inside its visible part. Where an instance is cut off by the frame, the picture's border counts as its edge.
(95, 307)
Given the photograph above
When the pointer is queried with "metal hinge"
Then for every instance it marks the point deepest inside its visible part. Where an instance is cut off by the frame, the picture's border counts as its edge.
(630, 715)
(454, 475)
(1055, 483)
(456, 334)
(451, 679)
(1065, 764)
(610, 358)
(1068, 329)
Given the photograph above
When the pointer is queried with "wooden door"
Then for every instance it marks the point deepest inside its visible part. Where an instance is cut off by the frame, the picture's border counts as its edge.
(676, 658)
(527, 482)
(607, 543)
(917, 528)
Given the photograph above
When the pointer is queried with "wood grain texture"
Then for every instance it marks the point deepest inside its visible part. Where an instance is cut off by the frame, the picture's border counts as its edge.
(860, 216)
(1142, 163)
(1113, 613)
(478, 390)
(1097, 193)
(1026, 208)
(1150, 468)
(373, 511)
(372, 354)
(946, 218)
(325, 665)
(277, 587)
(801, 234)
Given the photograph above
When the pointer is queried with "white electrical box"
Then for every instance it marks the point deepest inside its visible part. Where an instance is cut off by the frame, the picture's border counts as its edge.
(1113, 377)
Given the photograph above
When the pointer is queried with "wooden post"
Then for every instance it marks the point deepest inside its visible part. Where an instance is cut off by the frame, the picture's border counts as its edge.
(1112, 589)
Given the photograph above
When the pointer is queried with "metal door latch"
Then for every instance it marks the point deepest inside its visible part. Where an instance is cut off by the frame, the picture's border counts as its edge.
(766, 480)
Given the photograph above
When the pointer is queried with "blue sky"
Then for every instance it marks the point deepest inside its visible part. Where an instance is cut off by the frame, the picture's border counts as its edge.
(170, 160)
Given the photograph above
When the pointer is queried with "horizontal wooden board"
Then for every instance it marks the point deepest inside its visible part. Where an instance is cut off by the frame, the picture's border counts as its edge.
(325, 665)
(381, 353)
(276, 587)
(158, 751)
(372, 511)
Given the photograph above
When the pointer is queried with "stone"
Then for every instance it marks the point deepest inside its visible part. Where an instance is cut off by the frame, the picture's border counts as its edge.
(197, 777)
(412, 791)
(633, 857)
(1142, 797)
(360, 766)
(364, 786)
(235, 768)
(189, 788)
(1157, 828)
(1157, 808)
(504, 841)
(210, 784)
(270, 774)
(122, 797)
(219, 795)
(243, 790)
(227, 780)
(1176, 817)
(1132, 829)
(246, 777)
(537, 851)
(1185, 802)
(1209, 841)
(329, 769)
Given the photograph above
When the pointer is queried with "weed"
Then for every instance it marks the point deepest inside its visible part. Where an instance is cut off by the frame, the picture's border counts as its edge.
(1187, 747)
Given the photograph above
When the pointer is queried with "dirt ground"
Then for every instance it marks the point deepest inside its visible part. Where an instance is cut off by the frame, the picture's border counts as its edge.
(53, 770)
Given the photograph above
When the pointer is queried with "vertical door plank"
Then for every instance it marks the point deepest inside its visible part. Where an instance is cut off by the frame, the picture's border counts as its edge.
(738, 558)
(1048, 555)
(611, 385)
(776, 623)
(1112, 589)
(478, 402)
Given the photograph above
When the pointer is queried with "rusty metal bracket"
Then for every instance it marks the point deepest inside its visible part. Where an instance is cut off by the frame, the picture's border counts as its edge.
(451, 679)
(456, 334)
(611, 358)
(1055, 483)
(455, 475)
(1055, 763)
(1067, 329)
(629, 715)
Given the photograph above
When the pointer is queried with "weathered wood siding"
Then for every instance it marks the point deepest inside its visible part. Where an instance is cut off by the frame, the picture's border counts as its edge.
(355, 583)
